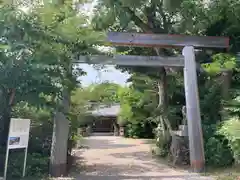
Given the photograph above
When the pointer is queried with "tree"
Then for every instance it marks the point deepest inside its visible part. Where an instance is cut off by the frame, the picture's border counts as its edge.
(24, 76)
(29, 68)
(81, 106)
(36, 62)
(70, 33)
(120, 16)
(105, 93)
(134, 113)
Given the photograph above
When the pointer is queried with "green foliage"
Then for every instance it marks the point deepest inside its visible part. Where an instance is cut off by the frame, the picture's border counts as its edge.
(162, 144)
(129, 99)
(86, 99)
(172, 5)
(210, 100)
(231, 131)
(39, 142)
(20, 59)
(134, 113)
(78, 114)
(233, 107)
(139, 130)
(105, 93)
(217, 152)
(122, 120)
(41, 127)
(37, 165)
(220, 62)
(36, 54)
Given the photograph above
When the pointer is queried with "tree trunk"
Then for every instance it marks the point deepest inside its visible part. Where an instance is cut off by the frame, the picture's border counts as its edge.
(5, 123)
(115, 128)
(7, 97)
(59, 151)
(149, 27)
(163, 101)
(5, 119)
(225, 83)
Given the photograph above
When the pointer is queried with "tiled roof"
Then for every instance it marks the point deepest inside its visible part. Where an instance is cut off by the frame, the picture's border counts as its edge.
(113, 110)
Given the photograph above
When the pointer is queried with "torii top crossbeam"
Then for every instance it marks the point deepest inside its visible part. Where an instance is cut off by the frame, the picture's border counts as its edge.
(153, 40)
(166, 40)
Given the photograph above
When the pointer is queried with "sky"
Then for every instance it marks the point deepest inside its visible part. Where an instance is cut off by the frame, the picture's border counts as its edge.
(110, 74)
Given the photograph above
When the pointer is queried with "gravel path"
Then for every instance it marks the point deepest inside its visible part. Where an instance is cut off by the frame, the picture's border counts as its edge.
(116, 158)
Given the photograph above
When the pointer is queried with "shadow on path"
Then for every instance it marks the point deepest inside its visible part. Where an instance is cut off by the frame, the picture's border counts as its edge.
(114, 158)
(100, 143)
(118, 177)
(130, 172)
(139, 155)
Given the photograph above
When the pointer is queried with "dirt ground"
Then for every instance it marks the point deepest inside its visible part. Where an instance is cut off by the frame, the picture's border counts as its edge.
(116, 158)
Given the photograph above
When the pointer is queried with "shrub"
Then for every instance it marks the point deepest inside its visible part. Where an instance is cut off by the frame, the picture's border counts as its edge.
(40, 139)
(121, 121)
(162, 142)
(231, 131)
(217, 153)
(132, 130)
(163, 146)
(37, 164)
(139, 130)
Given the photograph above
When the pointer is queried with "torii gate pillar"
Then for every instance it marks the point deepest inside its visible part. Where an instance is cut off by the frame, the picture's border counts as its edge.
(193, 110)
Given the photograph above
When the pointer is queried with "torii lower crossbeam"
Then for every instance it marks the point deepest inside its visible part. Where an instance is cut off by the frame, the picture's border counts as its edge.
(124, 60)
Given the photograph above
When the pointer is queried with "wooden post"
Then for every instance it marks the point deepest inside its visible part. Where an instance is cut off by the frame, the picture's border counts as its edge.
(193, 111)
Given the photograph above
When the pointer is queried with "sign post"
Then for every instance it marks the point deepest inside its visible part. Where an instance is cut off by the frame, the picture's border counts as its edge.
(18, 137)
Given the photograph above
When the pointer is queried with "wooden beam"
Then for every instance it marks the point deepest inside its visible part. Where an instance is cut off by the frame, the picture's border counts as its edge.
(165, 40)
(126, 60)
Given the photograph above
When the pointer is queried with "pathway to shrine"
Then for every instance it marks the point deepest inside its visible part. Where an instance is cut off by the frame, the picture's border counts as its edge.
(116, 158)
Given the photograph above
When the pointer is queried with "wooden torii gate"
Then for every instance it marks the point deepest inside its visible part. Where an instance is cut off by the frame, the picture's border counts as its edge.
(187, 61)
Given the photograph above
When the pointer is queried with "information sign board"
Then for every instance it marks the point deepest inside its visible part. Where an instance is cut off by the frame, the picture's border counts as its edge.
(18, 137)
(18, 133)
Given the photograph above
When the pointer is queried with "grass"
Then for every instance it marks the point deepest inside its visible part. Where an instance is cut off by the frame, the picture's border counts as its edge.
(229, 173)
